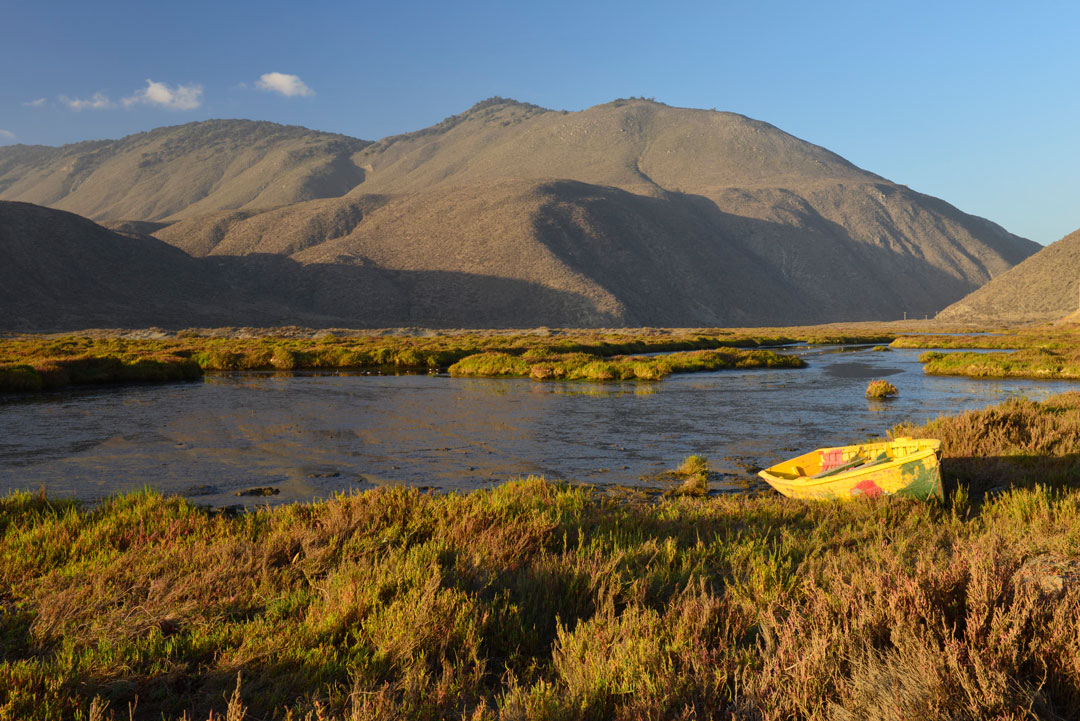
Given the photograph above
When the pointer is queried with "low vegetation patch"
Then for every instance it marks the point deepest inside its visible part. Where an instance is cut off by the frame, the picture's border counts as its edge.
(1016, 443)
(881, 389)
(583, 366)
(30, 363)
(537, 601)
(1054, 337)
(1041, 352)
(694, 472)
(1034, 363)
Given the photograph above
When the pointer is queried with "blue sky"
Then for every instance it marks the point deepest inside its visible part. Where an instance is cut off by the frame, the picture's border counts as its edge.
(977, 103)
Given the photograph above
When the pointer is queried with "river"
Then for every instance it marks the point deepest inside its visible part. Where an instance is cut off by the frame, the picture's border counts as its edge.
(311, 435)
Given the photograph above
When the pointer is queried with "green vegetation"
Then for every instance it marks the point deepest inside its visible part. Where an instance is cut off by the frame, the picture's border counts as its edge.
(1053, 337)
(881, 389)
(1042, 352)
(1018, 442)
(537, 600)
(694, 470)
(577, 366)
(1034, 363)
(35, 362)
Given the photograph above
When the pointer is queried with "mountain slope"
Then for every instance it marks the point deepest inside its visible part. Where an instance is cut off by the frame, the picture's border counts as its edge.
(183, 171)
(632, 212)
(62, 272)
(631, 144)
(1045, 287)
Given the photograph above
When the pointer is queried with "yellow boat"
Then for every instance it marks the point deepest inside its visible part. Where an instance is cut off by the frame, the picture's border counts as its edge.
(905, 466)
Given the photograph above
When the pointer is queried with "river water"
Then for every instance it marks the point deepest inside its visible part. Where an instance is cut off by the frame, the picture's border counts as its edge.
(311, 435)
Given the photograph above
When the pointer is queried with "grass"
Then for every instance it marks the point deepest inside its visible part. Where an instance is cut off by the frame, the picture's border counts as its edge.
(538, 600)
(583, 366)
(1039, 352)
(881, 389)
(1016, 443)
(29, 363)
(694, 470)
(1034, 363)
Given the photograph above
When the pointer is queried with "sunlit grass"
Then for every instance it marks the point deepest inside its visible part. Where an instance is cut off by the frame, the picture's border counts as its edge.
(880, 389)
(1016, 443)
(583, 366)
(38, 362)
(1040, 352)
(538, 600)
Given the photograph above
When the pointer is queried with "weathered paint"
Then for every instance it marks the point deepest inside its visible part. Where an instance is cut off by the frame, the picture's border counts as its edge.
(912, 469)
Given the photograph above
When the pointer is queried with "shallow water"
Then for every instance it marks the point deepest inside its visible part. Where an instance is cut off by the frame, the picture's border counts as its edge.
(311, 435)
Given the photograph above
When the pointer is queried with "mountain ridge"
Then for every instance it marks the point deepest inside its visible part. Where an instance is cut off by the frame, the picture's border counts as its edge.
(179, 170)
(645, 213)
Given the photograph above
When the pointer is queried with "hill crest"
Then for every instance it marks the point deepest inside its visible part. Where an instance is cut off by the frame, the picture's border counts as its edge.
(643, 212)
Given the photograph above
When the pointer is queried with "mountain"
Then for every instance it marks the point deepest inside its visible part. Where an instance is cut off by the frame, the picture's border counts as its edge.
(628, 213)
(1045, 287)
(62, 272)
(183, 171)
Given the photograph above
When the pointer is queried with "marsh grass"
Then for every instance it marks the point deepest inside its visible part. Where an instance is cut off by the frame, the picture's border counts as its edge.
(1032, 363)
(537, 600)
(1016, 443)
(1041, 352)
(583, 366)
(694, 470)
(30, 362)
(880, 389)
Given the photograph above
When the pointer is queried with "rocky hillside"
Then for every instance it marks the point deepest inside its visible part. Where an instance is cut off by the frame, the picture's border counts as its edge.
(1045, 287)
(63, 272)
(183, 171)
(627, 213)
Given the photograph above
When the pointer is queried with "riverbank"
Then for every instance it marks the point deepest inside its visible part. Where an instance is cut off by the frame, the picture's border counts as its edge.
(30, 362)
(1040, 352)
(541, 600)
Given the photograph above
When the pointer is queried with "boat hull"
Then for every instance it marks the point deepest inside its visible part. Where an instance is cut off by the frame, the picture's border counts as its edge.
(910, 467)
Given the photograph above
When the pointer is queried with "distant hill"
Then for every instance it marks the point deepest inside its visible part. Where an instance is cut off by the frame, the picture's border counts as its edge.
(627, 213)
(1045, 287)
(63, 272)
(183, 171)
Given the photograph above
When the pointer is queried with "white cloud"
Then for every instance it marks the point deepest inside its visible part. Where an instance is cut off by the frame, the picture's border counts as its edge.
(7, 134)
(97, 101)
(35, 103)
(283, 83)
(182, 97)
